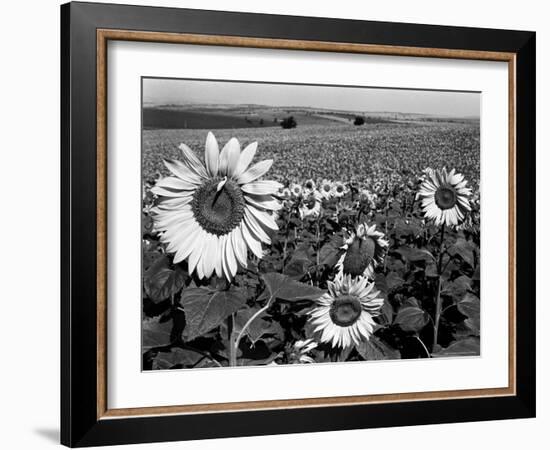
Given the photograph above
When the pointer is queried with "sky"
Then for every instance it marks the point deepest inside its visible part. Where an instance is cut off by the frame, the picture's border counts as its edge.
(357, 99)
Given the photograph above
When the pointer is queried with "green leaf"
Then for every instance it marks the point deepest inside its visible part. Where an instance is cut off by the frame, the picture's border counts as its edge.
(457, 288)
(257, 328)
(330, 253)
(393, 280)
(376, 349)
(465, 249)
(387, 310)
(155, 333)
(464, 347)
(296, 268)
(205, 309)
(415, 254)
(284, 288)
(470, 307)
(160, 281)
(411, 301)
(411, 318)
(167, 360)
(407, 227)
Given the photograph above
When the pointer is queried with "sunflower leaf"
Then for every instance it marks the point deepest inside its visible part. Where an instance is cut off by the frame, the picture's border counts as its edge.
(457, 288)
(470, 307)
(330, 253)
(175, 357)
(156, 333)
(284, 288)
(411, 318)
(297, 267)
(465, 249)
(463, 347)
(376, 349)
(257, 328)
(415, 254)
(206, 309)
(387, 310)
(393, 280)
(160, 281)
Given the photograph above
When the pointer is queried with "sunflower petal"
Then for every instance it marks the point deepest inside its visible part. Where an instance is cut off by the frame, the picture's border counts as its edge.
(255, 172)
(256, 228)
(263, 202)
(262, 187)
(263, 218)
(175, 183)
(211, 154)
(192, 161)
(251, 241)
(239, 246)
(230, 152)
(245, 158)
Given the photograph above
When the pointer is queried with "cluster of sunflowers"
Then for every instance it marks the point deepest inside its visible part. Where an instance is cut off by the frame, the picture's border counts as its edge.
(225, 227)
(311, 197)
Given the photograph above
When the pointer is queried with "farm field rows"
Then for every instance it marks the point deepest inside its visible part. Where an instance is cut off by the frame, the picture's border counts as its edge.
(386, 153)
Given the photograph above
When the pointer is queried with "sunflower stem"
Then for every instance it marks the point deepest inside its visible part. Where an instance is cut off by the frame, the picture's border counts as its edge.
(232, 343)
(386, 228)
(287, 232)
(249, 321)
(428, 354)
(318, 237)
(438, 295)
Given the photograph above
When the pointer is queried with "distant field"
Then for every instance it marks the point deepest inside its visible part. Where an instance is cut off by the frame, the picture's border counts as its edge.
(387, 152)
(173, 118)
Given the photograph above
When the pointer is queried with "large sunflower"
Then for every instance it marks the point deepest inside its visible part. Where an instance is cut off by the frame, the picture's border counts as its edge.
(211, 215)
(344, 315)
(445, 197)
(364, 250)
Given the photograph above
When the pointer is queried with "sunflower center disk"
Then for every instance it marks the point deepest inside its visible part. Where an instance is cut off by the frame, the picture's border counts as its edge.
(218, 212)
(358, 256)
(445, 197)
(345, 310)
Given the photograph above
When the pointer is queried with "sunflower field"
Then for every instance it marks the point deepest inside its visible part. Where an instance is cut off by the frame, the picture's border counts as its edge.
(317, 244)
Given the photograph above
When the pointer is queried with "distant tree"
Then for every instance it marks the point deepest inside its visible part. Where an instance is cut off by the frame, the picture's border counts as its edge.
(289, 122)
(359, 120)
(261, 121)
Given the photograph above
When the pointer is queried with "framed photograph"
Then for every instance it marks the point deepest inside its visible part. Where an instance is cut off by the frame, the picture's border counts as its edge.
(276, 224)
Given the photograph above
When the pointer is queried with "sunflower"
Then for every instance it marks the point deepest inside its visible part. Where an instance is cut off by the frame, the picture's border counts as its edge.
(296, 190)
(211, 215)
(309, 185)
(338, 189)
(286, 194)
(445, 197)
(311, 205)
(326, 189)
(298, 353)
(365, 196)
(344, 315)
(364, 250)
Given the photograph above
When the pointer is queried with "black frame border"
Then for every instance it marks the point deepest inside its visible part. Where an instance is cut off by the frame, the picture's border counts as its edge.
(79, 423)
